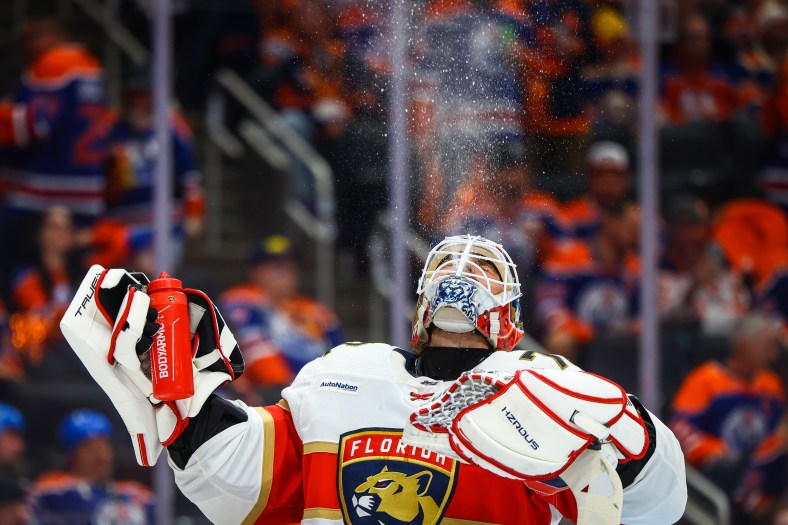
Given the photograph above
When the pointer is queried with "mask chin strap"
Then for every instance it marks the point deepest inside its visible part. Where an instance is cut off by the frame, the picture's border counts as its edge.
(495, 327)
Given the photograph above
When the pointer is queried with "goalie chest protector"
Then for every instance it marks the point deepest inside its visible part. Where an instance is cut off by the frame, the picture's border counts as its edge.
(349, 408)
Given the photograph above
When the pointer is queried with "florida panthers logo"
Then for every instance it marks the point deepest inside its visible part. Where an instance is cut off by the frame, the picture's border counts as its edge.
(456, 293)
(393, 494)
(384, 482)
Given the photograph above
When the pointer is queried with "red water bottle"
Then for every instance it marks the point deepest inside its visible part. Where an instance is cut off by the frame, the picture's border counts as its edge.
(171, 354)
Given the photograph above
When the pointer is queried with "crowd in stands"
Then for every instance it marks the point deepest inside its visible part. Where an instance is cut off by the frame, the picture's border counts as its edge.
(523, 122)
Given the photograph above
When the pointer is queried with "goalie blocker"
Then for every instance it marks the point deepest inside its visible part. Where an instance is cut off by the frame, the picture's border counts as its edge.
(110, 326)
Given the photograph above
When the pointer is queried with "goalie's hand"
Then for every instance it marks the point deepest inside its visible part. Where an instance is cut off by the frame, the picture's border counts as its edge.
(110, 326)
(537, 425)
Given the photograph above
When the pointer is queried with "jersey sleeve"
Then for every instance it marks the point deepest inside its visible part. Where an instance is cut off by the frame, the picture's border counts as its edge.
(248, 472)
(17, 124)
(658, 494)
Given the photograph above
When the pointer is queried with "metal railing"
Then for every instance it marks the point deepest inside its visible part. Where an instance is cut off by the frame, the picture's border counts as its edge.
(266, 135)
(707, 504)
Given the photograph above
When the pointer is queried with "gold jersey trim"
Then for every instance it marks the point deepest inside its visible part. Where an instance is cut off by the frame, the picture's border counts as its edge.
(321, 513)
(321, 446)
(268, 467)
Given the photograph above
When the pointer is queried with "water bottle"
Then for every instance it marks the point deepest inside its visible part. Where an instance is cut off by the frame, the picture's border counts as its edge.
(171, 353)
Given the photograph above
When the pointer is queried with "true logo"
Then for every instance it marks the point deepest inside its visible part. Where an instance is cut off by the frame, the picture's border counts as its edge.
(88, 296)
(383, 481)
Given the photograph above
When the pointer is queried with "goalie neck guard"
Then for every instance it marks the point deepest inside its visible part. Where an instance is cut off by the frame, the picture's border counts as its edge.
(469, 283)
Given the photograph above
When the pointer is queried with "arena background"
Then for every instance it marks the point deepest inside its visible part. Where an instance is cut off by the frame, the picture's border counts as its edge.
(347, 129)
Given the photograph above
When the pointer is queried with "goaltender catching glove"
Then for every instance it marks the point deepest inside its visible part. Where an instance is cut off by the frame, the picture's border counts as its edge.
(110, 326)
(537, 425)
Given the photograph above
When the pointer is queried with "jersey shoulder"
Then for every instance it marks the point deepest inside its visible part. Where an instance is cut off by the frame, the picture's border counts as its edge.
(355, 358)
(134, 490)
(340, 389)
(56, 482)
(569, 258)
(526, 360)
(62, 64)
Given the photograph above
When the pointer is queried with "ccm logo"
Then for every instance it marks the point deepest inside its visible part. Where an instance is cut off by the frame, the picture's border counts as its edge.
(520, 428)
(88, 296)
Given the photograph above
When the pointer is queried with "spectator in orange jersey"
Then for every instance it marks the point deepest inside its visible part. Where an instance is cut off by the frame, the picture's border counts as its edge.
(301, 62)
(40, 293)
(590, 289)
(131, 176)
(694, 284)
(609, 184)
(498, 202)
(758, 65)
(87, 492)
(728, 416)
(55, 128)
(612, 81)
(559, 47)
(693, 89)
(280, 329)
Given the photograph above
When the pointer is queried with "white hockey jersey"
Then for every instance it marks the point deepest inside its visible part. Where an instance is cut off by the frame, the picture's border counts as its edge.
(332, 452)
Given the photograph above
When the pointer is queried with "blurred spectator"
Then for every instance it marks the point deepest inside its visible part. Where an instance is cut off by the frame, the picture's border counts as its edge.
(13, 505)
(41, 292)
(590, 289)
(772, 293)
(12, 441)
(301, 61)
(131, 174)
(559, 46)
(611, 82)
(87, 493)
(694, 285)
(279, 329)
(728, 416)
(693, 89)
(759, 63)
(609, 184)
(362, 31)
(498, 202)
(56, 127)
(463, 107)
(774, 121)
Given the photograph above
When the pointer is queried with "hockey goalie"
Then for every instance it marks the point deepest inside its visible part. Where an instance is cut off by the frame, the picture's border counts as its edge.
(462, 428)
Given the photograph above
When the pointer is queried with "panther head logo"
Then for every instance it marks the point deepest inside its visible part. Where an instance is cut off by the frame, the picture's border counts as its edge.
(458, 294)
(396, 495)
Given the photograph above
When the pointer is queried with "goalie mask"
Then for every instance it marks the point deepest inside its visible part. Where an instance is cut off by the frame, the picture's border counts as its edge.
(469, 283)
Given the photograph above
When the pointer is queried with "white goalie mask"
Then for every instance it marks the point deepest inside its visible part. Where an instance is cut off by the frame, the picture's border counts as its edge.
(469, 283)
